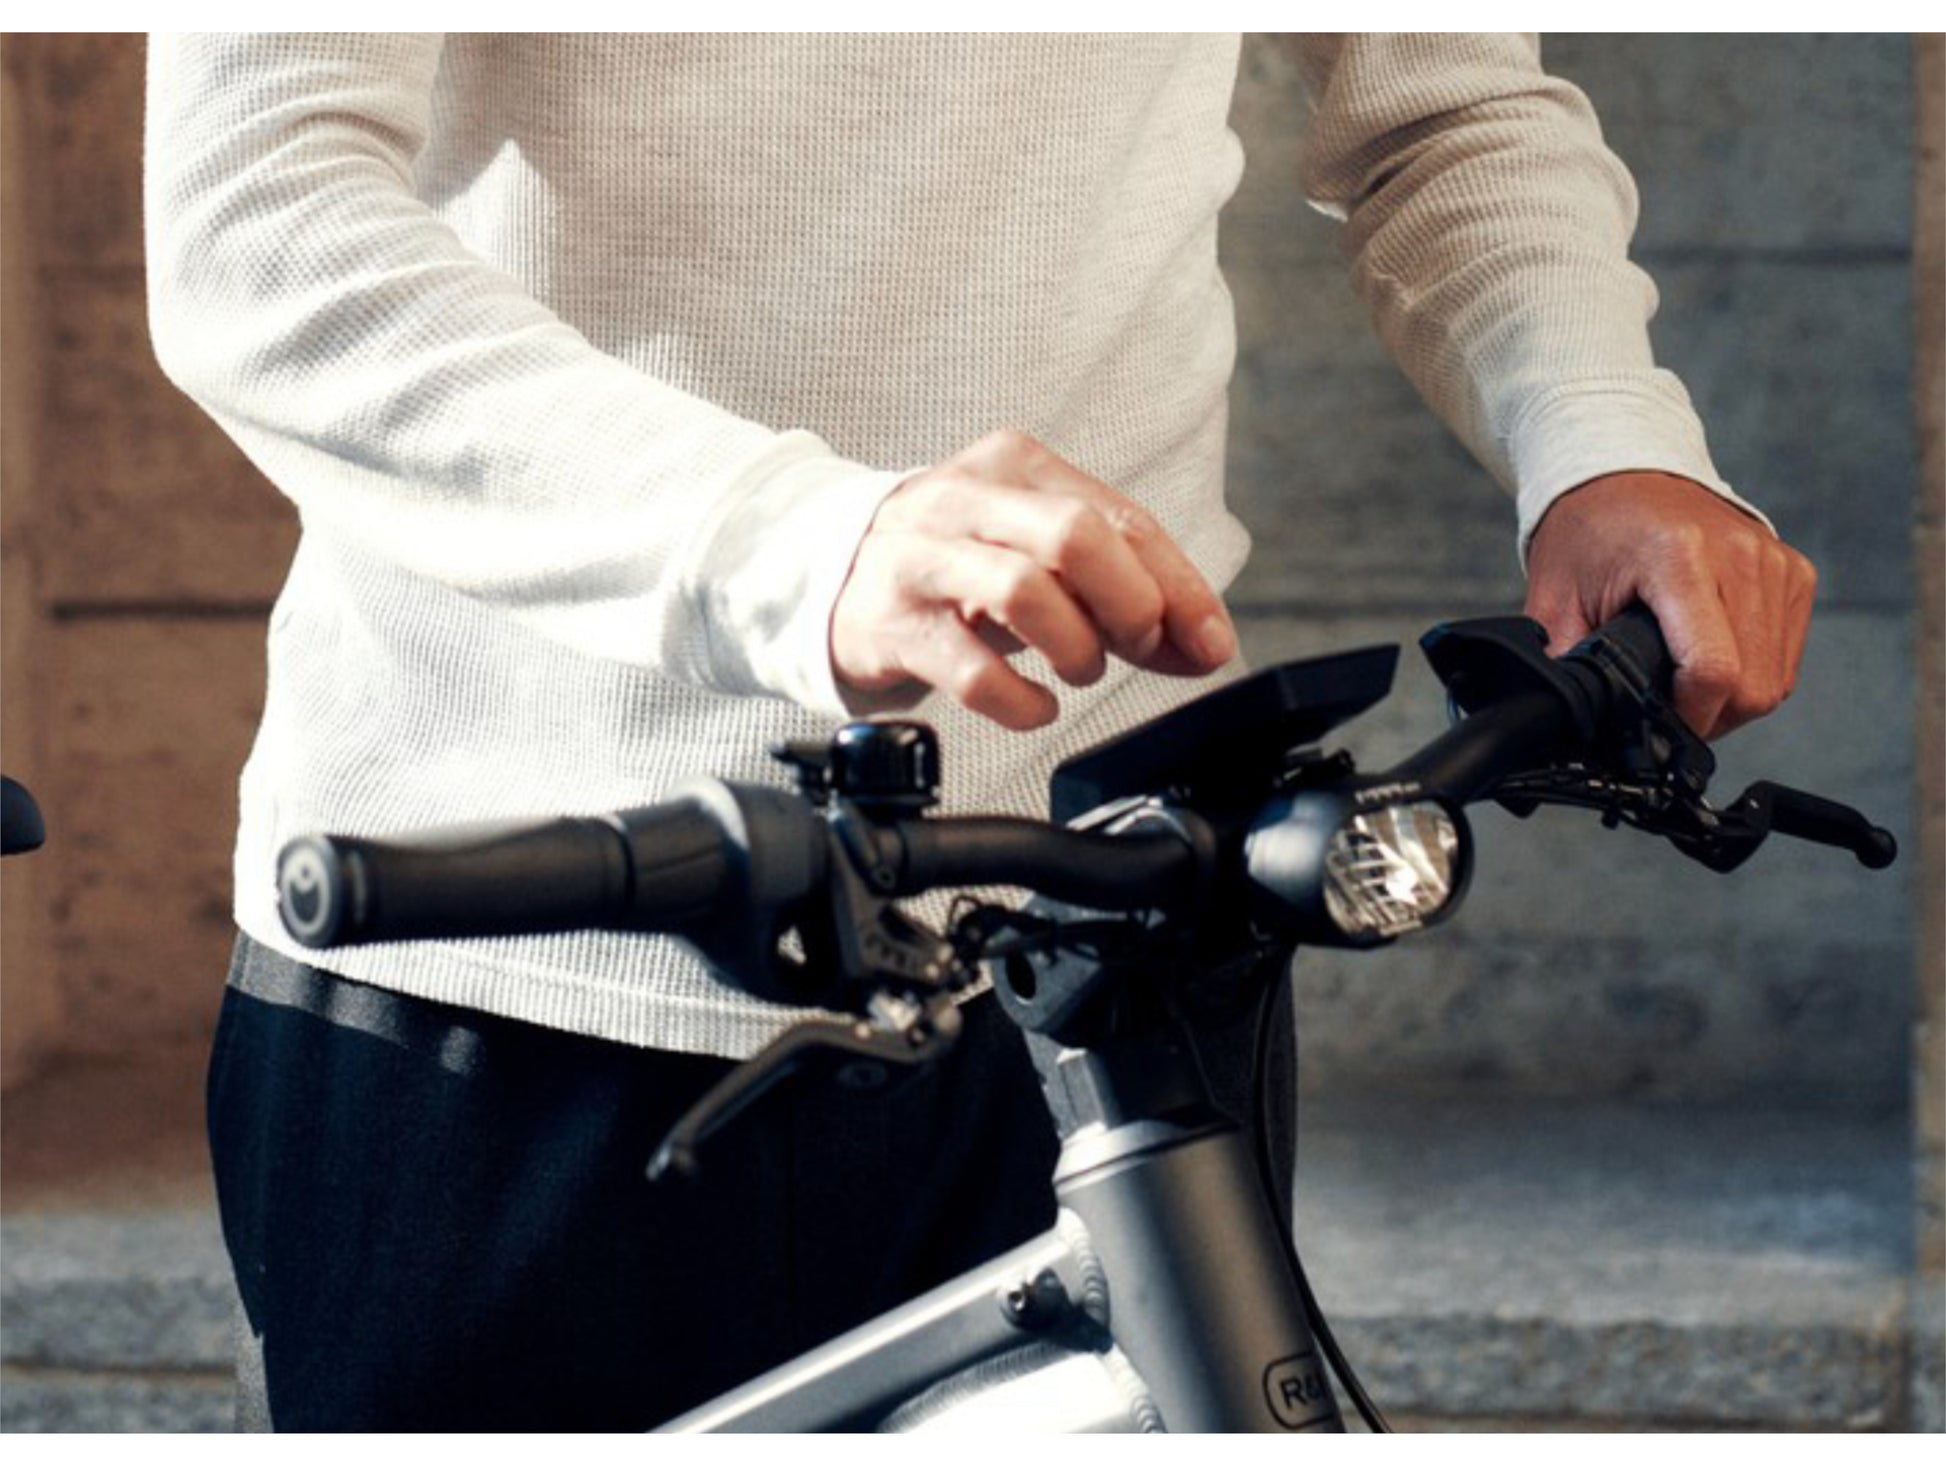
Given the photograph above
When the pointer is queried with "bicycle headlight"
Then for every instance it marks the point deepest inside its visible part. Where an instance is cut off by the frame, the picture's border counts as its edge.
(1356, 865)
(1390, 870)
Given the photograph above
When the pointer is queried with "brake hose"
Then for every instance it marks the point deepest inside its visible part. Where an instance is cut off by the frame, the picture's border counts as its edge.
(1280, 1207)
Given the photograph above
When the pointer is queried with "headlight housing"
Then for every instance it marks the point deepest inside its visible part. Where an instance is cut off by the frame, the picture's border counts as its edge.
(1356, 865)
(1388, 871)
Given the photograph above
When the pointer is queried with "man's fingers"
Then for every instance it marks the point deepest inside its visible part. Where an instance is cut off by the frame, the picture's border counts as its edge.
(1800, 591)
(1560, 614)
(1152, 605)
(1762, 592)
(1709, 665)
(996, 638)
(1198, 633)
(1065, 535)
(993, 585)
(1684, 586)
(1006, 545)
(944, 652)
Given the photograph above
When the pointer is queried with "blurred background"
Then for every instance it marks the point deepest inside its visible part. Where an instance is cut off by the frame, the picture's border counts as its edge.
(1627, 1146)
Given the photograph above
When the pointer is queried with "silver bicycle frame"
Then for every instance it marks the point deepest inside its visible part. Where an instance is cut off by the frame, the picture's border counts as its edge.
(1162, 1299)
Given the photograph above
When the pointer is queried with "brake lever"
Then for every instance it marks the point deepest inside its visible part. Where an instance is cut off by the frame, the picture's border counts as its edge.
(1721, 839)
(1766, 806)
(1644, 764)
(865, 1054)
(1674, 764)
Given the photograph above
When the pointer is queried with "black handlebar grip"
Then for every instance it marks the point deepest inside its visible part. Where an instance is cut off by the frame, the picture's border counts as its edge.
(657, 868)
(1159, 868)
(1636, 635)
(21, 826)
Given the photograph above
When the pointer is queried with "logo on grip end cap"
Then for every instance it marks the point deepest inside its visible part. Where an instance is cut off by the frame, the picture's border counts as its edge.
(1297, 1392)
(304, 892)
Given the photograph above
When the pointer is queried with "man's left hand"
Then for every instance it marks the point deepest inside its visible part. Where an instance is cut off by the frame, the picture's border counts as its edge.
(1733, 601)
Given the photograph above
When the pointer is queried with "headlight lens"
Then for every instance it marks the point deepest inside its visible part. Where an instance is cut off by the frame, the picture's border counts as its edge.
(1388, 870)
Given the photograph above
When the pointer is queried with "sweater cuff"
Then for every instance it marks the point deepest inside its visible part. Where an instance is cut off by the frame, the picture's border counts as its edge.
(776, 558)
(1574, 433)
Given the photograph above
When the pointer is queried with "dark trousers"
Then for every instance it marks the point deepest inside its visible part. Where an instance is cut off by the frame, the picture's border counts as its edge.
(438, 1218)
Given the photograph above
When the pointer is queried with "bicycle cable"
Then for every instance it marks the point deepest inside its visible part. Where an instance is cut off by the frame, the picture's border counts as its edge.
(1280, 1209)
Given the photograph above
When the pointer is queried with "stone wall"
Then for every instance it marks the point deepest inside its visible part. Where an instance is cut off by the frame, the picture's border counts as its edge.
(139, 554)
(1776, 184)
(1929, 274)
(142, 552)
(29, 1010)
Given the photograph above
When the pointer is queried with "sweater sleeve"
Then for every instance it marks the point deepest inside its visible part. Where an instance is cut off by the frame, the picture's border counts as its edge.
(420, 403)
(1488, 229)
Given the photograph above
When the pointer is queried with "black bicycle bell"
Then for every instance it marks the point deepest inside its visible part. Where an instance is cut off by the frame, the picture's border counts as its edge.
(890, 765)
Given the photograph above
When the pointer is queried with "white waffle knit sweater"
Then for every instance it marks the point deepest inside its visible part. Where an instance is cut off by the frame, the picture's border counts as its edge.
(587, 360)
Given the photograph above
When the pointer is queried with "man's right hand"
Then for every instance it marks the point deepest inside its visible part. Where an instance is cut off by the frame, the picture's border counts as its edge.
(1008, 547)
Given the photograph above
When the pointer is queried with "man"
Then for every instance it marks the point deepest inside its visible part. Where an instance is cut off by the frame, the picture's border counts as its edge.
(651, 399)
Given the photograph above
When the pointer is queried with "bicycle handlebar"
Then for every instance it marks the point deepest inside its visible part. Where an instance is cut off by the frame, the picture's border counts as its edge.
(1091, 869)
(679, 866)
(727, 866)
(1468, 760)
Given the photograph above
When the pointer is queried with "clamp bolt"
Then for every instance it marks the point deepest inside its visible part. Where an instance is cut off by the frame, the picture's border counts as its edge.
(1035, 1302)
